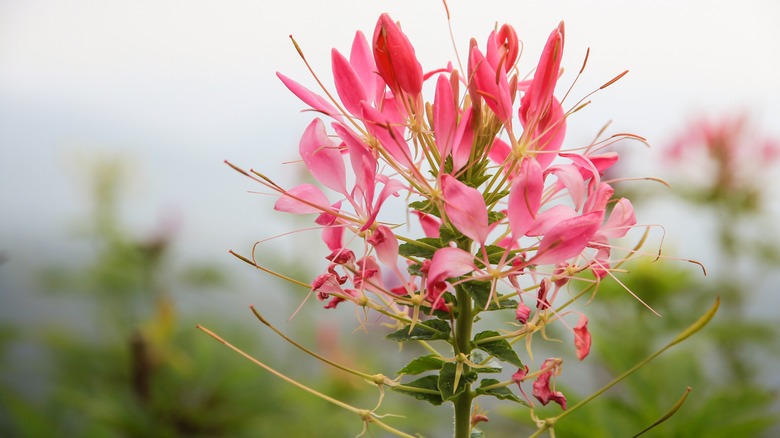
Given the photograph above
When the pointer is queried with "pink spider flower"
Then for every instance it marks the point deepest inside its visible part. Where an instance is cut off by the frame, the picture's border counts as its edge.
(543, 387)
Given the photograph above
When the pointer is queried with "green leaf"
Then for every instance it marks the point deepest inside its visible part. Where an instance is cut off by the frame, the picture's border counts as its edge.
(422, 364)
(427, 382)
(500, 349)
(429, 330)
(495, 254)
(491, 366)
(501, 393)
(447, 234)
(479, 291)
(476, 433)
(447, 381)
(495, 216)
(424, 247)
(424, 206)
(495, 196)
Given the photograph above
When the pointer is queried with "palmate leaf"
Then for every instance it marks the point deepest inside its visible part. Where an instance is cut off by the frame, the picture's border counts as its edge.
(446, 382)
(500, 349)
(429, 330)
(429, 383)
(422, 364)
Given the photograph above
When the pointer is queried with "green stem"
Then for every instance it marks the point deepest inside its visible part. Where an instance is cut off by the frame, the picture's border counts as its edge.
(685, 334)
(463, 325)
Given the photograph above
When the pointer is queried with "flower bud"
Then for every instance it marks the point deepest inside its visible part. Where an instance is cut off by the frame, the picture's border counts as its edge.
(395, 58)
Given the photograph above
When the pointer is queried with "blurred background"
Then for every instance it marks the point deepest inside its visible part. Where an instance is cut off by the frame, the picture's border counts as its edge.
(118, 212)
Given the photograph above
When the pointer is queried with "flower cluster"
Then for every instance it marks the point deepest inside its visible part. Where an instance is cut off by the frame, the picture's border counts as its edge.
(730, 147)
(507, 216)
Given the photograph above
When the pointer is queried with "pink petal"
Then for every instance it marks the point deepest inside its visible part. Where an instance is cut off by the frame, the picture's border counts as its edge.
(549, 134)
(464, 141)
(499, 151)
(448, 263)
(525, 197)
(389, 134)
(333, 236)
(386, 245)
(492, 87)
(620, 220)
(303, 199)
(362, 61)
(430, 224)
(541, 386)
(537, 98)
(587, 169)
(582, 338)
(604, 161)
(567, 239)
(308, 97)
(598, 200)
(348, 85)
(569, 176)
(391, 188)
(522, 313)
(329, 217)
(508, 46)
(444, 116)
(600, 264)
(549, 218)
(364, 165)
(322, 157)
(465, 208)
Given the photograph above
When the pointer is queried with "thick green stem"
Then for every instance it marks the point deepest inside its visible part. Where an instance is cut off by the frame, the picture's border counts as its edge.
(463, 325)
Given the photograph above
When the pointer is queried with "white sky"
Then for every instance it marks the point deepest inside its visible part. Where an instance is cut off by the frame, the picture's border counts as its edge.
(178, 86)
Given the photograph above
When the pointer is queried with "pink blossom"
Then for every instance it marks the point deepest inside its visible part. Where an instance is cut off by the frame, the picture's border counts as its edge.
(582, 338)
(489, 85)
(465, 208)
(542, 390)
(448, 263)
(522, 312)
(567, 238)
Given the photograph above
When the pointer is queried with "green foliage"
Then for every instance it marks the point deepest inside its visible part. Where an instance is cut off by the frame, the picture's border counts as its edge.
(479, 291)
(498, 348)
(447, 381)
(429, 383)
(432, 329)
(422, 364)
(501, 393)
